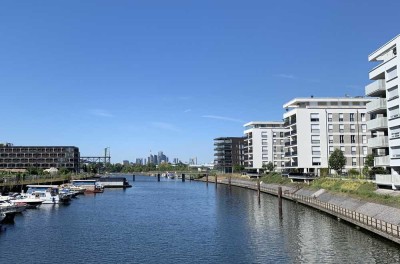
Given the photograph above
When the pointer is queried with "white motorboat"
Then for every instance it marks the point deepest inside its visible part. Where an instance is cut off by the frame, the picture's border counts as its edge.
(49, 194)
(6, 205)
(31, 203)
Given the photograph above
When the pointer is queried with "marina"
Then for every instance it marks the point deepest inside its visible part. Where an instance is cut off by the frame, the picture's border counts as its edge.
(179, 222)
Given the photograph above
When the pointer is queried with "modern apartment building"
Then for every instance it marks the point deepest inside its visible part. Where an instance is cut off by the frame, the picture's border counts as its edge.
(264, 142)
(384, 109)
(42, 157)
(317, 126)
(228, 152)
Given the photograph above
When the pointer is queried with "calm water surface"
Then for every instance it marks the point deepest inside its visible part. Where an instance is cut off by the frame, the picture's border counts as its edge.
(175, 222)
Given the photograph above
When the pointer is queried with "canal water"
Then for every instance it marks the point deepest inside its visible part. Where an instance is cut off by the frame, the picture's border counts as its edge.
(175, 222)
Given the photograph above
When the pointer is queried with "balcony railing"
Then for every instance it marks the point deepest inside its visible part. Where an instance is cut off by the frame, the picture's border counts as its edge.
(376, 88)
(382, 161)
(376, 106)
(379, 123)
(378, 142)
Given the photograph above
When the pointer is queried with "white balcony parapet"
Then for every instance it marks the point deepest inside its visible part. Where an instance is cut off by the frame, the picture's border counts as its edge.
(388, 180)
(376, 105)
(375, 88)
(378, 142)
(383, 161)
(377, 124)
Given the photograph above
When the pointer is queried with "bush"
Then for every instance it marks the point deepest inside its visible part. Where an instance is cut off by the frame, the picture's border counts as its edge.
(353, 172)
(324, 172)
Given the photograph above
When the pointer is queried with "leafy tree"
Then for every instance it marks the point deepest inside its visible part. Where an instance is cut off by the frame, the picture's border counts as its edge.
(269, 166)
(63, 171)
(337, 161)
(238, 168)
(369, 161)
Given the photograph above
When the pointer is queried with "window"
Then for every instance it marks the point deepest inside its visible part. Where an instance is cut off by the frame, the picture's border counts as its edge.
(393, 93)
(264, 142)
(351, 117)
(353, 139)
(330, 128)
(363, 119)
(315, 139)
(353, 150)
(394, 112)
(316, 161)
(340, 117)
(274, 135)
(343, 149)
(341, 139)
(365, 150)
(274, 141)
(314, 117)
(341, 128)
(314, 128)
(330, 117)
(330, 139)
(265, 156)
(353, 128)
(316, 150)
(391, 73)
(354, 162)
(395, 132)
(364, 139)
(364, 128)
(264, 149)
(331, 149)
(264, 134)
(281, 134)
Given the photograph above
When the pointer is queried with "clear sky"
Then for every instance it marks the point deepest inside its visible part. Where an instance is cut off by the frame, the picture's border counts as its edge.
(173, 75)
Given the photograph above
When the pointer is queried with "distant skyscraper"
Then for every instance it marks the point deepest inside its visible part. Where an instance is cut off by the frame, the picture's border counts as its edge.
(125, 162)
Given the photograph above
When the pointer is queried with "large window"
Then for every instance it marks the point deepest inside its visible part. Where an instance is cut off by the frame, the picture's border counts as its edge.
(341, 139)
(353, 150)
(316, 150)
(352, 139)
(330, 128)
(354, 162)
(365, 150)
(330, 117)
(352, 128)
(314, 117)
(351, 117)
(341, 117)
(391, 73)
(364, 139)
(315, 139)
(330, 139)
(364, 128)
(363, 119)
(314, 128)
(264, 134)
(331, 149)
(316, 161)
(341, 128)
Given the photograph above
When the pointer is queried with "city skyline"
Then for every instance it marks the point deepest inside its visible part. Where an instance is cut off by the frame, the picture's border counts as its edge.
(176, 75)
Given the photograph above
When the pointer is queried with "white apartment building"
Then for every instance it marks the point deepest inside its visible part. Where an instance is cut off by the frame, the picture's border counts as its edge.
(384, 110)
(264, 143)
(317, 126)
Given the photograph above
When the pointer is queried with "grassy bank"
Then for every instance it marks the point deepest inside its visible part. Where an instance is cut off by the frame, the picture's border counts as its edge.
(357, 189)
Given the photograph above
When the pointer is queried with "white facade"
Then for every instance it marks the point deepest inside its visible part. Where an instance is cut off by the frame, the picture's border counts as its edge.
(317, 126)
(384, 110)
(264, 143)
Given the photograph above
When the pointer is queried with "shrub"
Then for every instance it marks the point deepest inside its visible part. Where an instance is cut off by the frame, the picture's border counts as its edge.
(324, 172)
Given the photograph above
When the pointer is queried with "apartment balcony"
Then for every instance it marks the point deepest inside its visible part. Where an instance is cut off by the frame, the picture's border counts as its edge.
(293, 132)
(376, 89)
(383, 161)
(377, 124)
(378, 142)
(376, 106)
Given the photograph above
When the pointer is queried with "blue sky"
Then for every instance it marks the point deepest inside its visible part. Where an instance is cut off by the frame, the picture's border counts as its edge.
(172, 75)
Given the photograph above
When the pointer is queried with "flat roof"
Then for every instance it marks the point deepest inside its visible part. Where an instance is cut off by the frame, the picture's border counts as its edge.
(263, 123)
(389, 43)
(294, 102)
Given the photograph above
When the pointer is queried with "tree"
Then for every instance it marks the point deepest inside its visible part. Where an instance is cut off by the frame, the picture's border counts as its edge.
(238, 168)
(369, 161)
(270, 167)
(337, 161)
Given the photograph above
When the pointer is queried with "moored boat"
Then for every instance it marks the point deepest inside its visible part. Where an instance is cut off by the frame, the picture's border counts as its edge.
(48, 193)
(91, 186)
(114, 182)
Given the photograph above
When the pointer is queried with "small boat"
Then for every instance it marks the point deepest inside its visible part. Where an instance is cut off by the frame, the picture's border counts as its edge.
(17, 207)
(91, 186)
(31, 203)
(171, 175)
(48, 193)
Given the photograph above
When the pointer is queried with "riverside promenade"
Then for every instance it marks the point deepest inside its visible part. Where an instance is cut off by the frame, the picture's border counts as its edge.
(380, 219)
